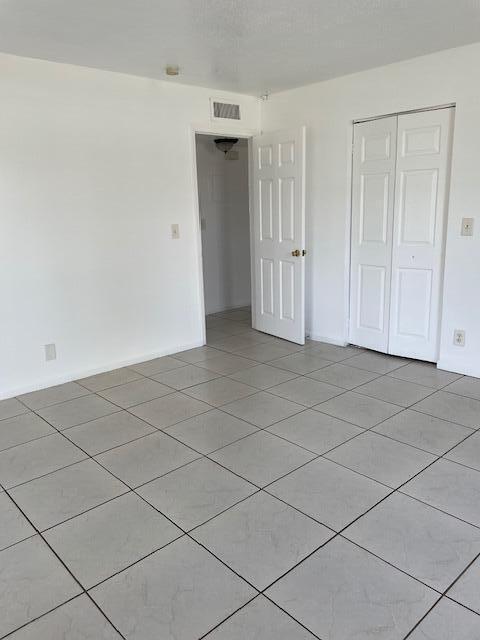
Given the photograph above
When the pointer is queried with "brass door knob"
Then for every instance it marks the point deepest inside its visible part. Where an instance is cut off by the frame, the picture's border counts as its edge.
(296, 253)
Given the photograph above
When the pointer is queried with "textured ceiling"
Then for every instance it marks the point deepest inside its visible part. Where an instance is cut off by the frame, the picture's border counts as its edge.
(250, 46)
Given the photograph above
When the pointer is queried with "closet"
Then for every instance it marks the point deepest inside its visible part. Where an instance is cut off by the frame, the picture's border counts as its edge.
(400, 179)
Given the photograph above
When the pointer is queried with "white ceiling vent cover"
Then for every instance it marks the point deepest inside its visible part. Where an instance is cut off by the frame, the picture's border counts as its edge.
(225, 111)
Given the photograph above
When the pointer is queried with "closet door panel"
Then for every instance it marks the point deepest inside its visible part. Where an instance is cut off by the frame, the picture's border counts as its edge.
(373, 182)
(421, 193)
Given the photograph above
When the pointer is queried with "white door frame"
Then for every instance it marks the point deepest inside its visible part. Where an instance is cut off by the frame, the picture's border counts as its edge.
(218, 130)
(349, 226)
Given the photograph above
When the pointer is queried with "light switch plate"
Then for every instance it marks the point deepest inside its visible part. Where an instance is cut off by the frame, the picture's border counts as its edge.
(175, 232)
(50, 352)
(467, 226)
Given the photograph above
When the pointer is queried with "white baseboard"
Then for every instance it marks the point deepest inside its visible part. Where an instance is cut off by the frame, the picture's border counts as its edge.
(84, 373)
(447, 364)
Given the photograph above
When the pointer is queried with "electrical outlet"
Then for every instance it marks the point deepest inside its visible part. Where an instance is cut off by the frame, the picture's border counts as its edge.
(459, 337)
(467, 226)
(175, 232)
(50, 352)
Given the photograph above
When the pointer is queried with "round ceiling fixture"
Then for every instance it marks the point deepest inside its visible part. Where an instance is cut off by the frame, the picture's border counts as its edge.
(225, 144)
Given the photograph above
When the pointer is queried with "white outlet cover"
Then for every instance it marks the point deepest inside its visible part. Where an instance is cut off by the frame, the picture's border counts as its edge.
(459, 337)
(467, 226)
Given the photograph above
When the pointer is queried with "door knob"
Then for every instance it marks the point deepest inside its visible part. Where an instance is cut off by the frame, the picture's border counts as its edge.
(296, 253)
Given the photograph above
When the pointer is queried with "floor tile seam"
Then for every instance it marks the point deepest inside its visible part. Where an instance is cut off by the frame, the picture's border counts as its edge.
(423, 384)
(432, 506)
(66, 568)
(113, 386)
(458, 578)
(248, 395)
(340, 534)
(43, 615)
(45, 435)
(263, 341)
(17, 415)
(455, 424)
(418, 410)
(189, 386)
(261, 389)
(14, 544)
(461, 395)
(440, 592)
(54, 404)
(219, 624)
(438, 455)
(461, 604)
(429, 610)
(309, 375)
(186, 533)
(370, 351)
(44, 475)
(433, 391)
(401, 486)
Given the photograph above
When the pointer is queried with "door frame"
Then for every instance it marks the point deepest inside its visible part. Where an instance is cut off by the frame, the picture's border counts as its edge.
(349, 231)
(219, 130)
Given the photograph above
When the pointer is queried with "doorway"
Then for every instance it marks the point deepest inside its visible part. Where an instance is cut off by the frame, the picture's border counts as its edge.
(253, 241)
(400, 182)
(224, 209)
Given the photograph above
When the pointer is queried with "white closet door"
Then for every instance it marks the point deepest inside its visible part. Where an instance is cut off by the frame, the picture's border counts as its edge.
(373, 183)
(279, 233)
(423, 168)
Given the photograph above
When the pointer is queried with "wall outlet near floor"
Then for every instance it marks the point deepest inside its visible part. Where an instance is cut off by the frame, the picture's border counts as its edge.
(459, 337)
(50, 351)
(175, 232)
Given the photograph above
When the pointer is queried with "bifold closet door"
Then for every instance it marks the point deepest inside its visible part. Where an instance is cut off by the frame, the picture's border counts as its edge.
(373, 183)
(421, 191)
(401, 169)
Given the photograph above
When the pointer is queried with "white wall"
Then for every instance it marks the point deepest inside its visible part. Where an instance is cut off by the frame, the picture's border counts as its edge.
(328, 110)
(224, 210)
(94, 168)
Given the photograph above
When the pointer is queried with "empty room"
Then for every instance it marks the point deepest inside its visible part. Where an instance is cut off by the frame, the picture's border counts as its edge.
(240, 320)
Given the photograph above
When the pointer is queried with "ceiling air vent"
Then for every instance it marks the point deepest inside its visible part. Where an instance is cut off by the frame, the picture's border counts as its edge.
(225, 111)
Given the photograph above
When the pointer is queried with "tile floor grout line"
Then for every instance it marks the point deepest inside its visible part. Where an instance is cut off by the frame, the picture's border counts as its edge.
(60, 560)
(339, 533)
(201, 455)
(187, 533)
(43, 615)
(422, 618)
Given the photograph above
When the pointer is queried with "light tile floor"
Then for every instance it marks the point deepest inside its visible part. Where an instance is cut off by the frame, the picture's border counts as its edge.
(250, 489)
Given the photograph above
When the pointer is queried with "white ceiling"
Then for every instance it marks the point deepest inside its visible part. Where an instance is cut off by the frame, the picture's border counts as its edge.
(250, 46)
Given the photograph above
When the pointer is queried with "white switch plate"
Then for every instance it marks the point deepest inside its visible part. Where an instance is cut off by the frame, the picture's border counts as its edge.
(467, 226)
(175, 232)
(459, 337)
(50, 352)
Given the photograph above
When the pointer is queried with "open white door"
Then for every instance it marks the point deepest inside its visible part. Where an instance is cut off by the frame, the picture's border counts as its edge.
(279, 233)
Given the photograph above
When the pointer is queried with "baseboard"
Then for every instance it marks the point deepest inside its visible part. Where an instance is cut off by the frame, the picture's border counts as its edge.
(447, 364)
(335, 341)
(84, 373)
